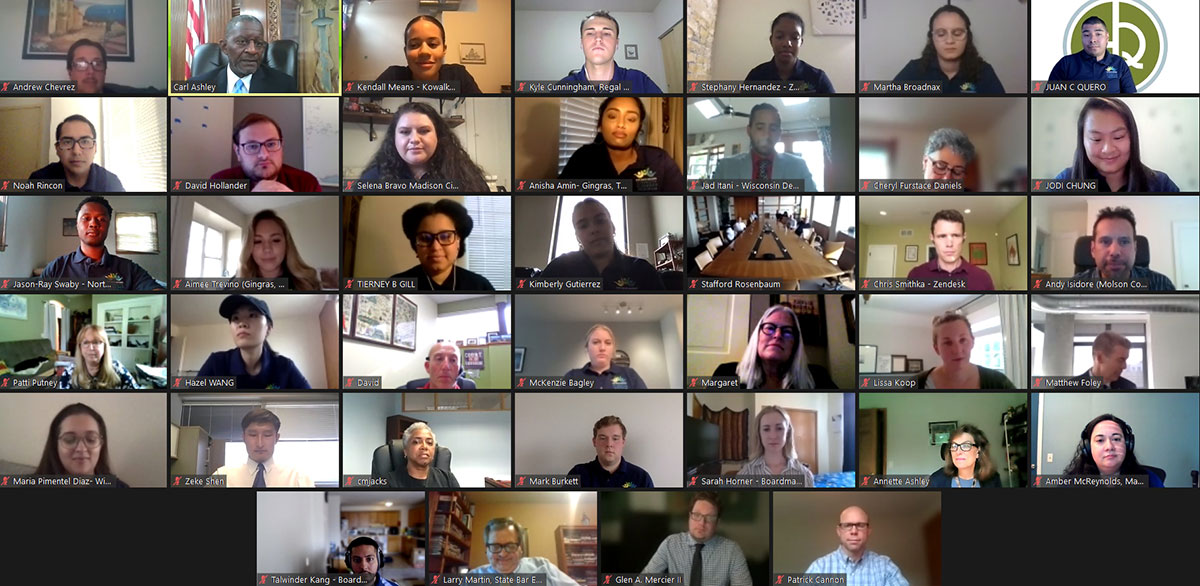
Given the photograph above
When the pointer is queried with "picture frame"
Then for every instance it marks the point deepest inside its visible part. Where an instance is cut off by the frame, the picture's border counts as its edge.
(1012, 247)
(472, 54)
(347, 313)
(978, 253)
(899, 363)
(519, 359)
(69, 227)
(108, 22)
(910, 253)
(404, 329)
(914, 365)
(631, 52)
(866, 358)
(385, 319)
(883, 364)
(810, 311)
(939, 432)
(14, 307)
(493, 337)
(472, 342)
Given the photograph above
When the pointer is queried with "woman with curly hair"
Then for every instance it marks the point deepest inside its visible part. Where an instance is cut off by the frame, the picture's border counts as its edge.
(419, 145)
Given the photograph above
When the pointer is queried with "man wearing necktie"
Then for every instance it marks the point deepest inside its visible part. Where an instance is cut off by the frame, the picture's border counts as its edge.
(245, 47)
(260, 432)
(703, 557)
(763, 163)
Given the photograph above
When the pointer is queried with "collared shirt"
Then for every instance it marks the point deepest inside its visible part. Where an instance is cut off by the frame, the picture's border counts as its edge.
(535, 565)
(381, 581)
(810, 78)
(275, 370)
(427, 385)
(125, 379)
(593, 475)
(640, 83)
(985, 81)
(297, 180)
(758, 467)
(616, 377)
(120, 272)
(99, 179)
(871, 570)
(623, 272)
(1121, 384)
(1158, 281)
(977, 278)
(723, 561)
(231, 80)
(1083, 67)
(757, 162)
(274, 474)
(654, 169)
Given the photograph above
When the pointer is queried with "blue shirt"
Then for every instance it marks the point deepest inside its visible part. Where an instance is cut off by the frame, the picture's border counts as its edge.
(624, 272)
(811, 79)
(121, 272)
(639, 82)
(871, 570)
(98, 179)
(985, 81)
(1083, 67)
(593, 475)
(616, 377)
(1159, 182)
(535, 565)
(276, 372)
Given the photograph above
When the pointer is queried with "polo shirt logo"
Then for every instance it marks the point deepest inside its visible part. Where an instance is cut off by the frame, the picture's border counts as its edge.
(967, 88)
(114, 277)
(625, 283)
(1136, 34)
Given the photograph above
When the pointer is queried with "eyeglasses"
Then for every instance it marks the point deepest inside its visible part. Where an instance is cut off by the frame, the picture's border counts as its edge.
(849, 526)
(957, 33)
(963, 447)
(92, 343)
(506, 547)
(95, 64)
(67, 144)
(252, 148)
(710, 519)
(943, 166)
(788, 332)
(91, 440)
(445, 238)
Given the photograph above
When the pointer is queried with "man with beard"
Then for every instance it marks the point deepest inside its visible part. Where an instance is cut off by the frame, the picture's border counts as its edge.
(420, 446)
(246, 73)
(1114, 249)
(91, 261)
(763, 163)
(258, 146)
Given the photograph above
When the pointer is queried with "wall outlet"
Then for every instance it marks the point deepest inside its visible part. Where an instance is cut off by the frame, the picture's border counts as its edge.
(1049, 456)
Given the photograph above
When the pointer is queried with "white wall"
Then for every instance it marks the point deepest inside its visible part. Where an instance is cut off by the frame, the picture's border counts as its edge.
(548, 43)
(1155, 217)
(1000, 30)
(555, 347)
(897, 332)
(829, 433)
(1164, 425)
(60, 207)
(741, 41)
(554, 431)
(1172, 348)
(295, 337)
(201, 121)
(672, 334)
(136, 422)
(396, 366)
(364, 426)
(717, 331)
(24, 231)
(291, 535)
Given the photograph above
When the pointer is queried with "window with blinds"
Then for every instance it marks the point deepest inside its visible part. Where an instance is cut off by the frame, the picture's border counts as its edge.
(490, 249)
(135, 141)
(576, 126)
(137, 232)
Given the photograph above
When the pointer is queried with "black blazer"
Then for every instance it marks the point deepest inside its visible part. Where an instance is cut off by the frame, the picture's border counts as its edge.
(264, 81)
(939, 480)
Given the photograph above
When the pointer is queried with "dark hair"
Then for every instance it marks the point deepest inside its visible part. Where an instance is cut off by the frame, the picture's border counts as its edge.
(599, 14)
(239, 19)
(74, 118)
(412, 217)
(98, 200)
(1137, 175)
(791, 15)
(759, 108)
(971, 63)
(435, 21)
(604, 106)
(252, 119)
(50, 463)
(449, 161)
(948, 216)
(85, 43)
(504, 523)
(361, 541)
(1084, 464)
(711, 497)
(984, 467)
(1093, 20)
(260, 415)
(1119, 212)
(606, 421)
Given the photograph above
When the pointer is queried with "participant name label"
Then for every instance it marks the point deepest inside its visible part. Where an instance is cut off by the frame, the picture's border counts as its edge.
(546, 480)
(676, 579)
(552, 382)
(740, 481)
(370, 285)
(210, 185)
(713, 382)
(56, 284)
(910, 185)
(280, 284)
(575, 185)
(806, 579)
(1067, 382)
(574, 87)
(1069, 284)
(362, 382)
(900, 87)
(894, 481)
(488, 579)
(406, 185)
(1095, 86)
(452, 87)
(196, 481)
(750, 87)
(36, 87)
(903, 284)
(888, 381)
(719, 284)
(560, 284)
(363, 481)
(316, 579)
(744, 185)
(54, 481)
(31, 185)
(1119, 481)
(228, 383)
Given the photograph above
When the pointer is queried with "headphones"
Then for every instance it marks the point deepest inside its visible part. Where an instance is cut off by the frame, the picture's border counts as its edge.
(1126, 430)
(361, 542)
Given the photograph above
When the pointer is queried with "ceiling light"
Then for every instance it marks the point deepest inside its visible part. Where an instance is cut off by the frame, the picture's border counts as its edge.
(882, 213)
(793, 101)
(708, 108)
(967, 211)
(387, 503)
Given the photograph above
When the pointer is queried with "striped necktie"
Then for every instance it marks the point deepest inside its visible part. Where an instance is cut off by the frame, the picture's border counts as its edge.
(239, 87)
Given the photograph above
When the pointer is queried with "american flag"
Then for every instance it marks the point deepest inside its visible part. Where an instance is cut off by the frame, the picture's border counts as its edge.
(194, 35)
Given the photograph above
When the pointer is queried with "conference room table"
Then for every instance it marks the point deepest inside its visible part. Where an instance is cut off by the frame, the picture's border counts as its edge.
(741, 260)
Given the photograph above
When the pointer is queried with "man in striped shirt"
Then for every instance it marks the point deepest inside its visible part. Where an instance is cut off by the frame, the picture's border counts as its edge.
(861, 566)
(703, 557)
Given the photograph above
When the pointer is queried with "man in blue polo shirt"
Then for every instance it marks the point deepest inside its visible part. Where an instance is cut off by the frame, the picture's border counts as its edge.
(1094, 62)
(91, 261)
(252, 362)
(609, 469)
(599, 37)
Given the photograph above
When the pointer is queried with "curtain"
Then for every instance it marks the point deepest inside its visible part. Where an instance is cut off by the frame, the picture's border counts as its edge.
(1013, 321)
(734, 426)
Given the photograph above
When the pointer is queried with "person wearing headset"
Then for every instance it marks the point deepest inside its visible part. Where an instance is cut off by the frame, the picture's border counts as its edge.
(445, 372)
(363, 557)
(1106, 449)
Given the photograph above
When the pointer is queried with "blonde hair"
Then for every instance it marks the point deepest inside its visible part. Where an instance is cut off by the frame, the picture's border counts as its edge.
(750, 371)
(948, 317)
(304, 277)
(588, 338)
(789, 443)
(106, 377)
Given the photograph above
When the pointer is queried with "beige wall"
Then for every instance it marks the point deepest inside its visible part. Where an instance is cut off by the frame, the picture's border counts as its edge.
(535, 137)
(540, 519)
(382, 249)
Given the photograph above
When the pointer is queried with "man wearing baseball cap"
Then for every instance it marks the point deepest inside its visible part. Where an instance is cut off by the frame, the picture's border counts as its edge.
(253, 362)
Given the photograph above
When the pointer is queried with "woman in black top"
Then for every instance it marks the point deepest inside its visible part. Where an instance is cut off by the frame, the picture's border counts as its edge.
(616, 154)
(438, 234)
(77, 445)
(950, 56)
(425, 49)
(598, 255)
(968, 462)
(420, 145)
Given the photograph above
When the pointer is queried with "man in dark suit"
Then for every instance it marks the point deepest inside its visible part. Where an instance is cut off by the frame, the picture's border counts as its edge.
(1110, 350)
(443, 367)
(247, 73)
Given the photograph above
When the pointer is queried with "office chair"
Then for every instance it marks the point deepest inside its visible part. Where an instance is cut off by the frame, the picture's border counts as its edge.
(282, 55)
(1085, 262)
(390, 456)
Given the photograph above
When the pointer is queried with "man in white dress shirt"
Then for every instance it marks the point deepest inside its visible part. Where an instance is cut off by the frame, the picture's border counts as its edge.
(260, 432)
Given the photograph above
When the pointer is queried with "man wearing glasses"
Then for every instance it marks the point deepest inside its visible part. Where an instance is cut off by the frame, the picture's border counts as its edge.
(1114, 250)
(75, 142)
(948, 231)
(860, 565)
(947, 155)
(702, 556)
(246, 72)
(87, 64)
(258, 146)
(504, 539)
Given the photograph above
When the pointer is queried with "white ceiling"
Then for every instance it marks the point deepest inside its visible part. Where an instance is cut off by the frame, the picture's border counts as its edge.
(931, 113)
(920, 209)
(590, 308)
(815, 111)
(930, 305)
(252, 204)
(374, 500)
(191, 310)
(586, 7)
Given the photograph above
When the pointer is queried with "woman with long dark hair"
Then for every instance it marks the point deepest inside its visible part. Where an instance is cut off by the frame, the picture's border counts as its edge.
(419, 145)
(77, 444)
(616, 154)
(968, 462)
(950, 57)
(425, 52)
(1106, 449)
(1107, 148)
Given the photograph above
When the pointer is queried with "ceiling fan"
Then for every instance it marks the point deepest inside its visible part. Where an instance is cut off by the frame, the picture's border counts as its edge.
(714, 107)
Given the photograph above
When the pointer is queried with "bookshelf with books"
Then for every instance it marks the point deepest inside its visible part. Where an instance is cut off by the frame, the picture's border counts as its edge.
(450, 519)
(577, 552)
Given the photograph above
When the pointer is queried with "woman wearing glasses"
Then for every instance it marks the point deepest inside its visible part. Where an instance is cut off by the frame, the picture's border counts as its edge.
(968, 463)
(598, 255)
(75, 144)
(950, 57)
(947, 154)
(77, 444)
(438, 234)
(774, 356)
(773, 448)
(953, 342)
(418, 144)
(94, 366)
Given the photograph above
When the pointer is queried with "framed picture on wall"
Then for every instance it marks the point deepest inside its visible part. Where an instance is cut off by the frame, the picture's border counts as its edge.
(979, 253)
(404, 330)
(518, 359)
(1014, 253)
(388, 320)
(811, 314)
(866, 358)
(914, 365)
(939, 432)
(899, 363)
(69, 227)
(108, 22)
(910, 253)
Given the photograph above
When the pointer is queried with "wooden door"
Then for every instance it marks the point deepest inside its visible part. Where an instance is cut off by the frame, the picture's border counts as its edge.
(872, 449)
(22, 124)
(804, 435)
(672, 52)
(744, 205)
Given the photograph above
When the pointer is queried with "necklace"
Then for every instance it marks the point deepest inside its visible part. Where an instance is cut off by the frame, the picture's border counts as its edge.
(453, 280)
(958, 483)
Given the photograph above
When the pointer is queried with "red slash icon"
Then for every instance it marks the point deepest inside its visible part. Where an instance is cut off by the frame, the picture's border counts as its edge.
(607, 578)
(1037, 284)
(865, 479)
(865, 184)
(521, 382)
(779, 579)
(693, 382)
(866, 381)
(5, 383)
(5, 284)
(177, 185)
(350, 382)
(177, 383)
(693, 284)
(349, 479)
(435, 578)
(1037, 185)
(349, 185)
(866, 282)
(521, 481)
(692, 482)
(520, 88)
(521, 285)
(691, 90)
(1037, 87)
(5, 482)
(349, 282)
(1037, 382)
(348, 84)
(177, 283)
(176, 483)
(693, 187)
(264, 579)
(865, 84)
(521, 185)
